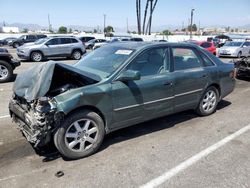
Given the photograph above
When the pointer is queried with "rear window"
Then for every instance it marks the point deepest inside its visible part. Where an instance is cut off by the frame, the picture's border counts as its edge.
(74, 40)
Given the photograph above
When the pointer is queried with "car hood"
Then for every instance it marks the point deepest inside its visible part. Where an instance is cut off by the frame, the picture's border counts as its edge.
(233, 48)
(39, 80)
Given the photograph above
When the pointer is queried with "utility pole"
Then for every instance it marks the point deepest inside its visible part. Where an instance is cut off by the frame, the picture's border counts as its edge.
(104, 24)
(50, 29)
(127, 26)
(191, 25)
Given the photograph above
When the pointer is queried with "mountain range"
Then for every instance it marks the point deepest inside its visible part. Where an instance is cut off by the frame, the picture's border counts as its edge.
(34, 27)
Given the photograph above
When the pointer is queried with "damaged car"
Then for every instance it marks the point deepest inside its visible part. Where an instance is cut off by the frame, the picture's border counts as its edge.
(113, 87)
(243, 67)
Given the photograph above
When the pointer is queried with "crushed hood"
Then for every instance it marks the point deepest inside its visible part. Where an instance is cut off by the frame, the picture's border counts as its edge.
(36, 81)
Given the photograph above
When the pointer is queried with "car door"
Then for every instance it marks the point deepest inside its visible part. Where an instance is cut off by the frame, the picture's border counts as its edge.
(190, 77)
(149, 97)
(66, 46)
(52, 47)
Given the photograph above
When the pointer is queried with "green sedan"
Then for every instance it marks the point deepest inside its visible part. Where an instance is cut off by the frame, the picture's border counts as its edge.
(116, 86)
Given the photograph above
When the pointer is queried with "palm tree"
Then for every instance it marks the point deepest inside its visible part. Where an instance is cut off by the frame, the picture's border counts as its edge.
(138, 14)
(145, 16)
(152, 8)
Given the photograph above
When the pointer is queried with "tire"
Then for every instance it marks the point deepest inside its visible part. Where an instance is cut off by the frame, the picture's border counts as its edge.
(76, 54)
(6, 71)
(208, 102)
(36, 56)
(74, 139)
(239, 54)
(16, 45)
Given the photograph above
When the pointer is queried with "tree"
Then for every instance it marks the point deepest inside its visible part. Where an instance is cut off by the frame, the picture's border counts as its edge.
(70, 30)
(194, 27)
(145, 29)
(109, 29)
(95, 31)
(25, 30)
(138, 15)
(62, 30)
(166, 32)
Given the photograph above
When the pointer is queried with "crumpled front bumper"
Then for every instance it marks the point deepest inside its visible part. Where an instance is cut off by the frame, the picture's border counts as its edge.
(29, 124)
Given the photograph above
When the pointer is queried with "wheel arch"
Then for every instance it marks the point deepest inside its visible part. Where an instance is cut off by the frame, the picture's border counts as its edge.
(217, 86)
(91, 108)
(74, 49)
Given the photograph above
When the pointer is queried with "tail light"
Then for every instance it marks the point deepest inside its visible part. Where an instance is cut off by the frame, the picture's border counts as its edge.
(232, 74)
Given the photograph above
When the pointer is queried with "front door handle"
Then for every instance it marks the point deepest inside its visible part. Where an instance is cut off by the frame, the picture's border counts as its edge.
(168, 83)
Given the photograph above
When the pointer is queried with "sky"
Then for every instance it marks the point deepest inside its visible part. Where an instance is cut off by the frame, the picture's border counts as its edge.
(231, 13)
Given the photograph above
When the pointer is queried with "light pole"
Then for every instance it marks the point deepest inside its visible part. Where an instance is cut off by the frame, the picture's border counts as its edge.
(104, 24)
(191, 24)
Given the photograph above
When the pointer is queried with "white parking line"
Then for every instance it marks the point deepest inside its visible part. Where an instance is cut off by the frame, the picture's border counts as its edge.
(194, 159)
(1, 117)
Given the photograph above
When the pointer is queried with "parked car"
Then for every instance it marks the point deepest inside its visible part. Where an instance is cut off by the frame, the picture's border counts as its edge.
(7, 65)
(86, 39)
(162, 40)
(222, 39)
(6, 40)
(113, 87)
(235, 49)
(25, 39)
(209, 46)
(243, 68)
(52, 47)
(136, 39)
(90, 44)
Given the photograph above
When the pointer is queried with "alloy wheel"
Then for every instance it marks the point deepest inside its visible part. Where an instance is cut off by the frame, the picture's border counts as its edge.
(81, 135)
(3, 72)
(209, 101)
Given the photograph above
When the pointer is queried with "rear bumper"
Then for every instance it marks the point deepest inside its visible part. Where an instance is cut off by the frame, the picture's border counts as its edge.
(23, 56)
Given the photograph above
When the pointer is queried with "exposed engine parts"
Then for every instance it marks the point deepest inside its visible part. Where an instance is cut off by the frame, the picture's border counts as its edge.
(243, 67)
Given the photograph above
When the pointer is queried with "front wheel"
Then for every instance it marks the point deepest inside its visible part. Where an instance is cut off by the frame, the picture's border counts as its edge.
(208, 102)
(80, 135)
(36, 56)
(239, 55)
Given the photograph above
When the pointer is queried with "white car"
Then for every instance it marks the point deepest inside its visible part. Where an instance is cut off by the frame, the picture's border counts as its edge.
(235, 49)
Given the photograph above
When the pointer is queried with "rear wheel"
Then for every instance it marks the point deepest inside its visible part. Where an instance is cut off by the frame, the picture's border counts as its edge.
(80, 135)
(208, 102)
(239, 55)
(76, 54)
(36, 56)
(6, 72)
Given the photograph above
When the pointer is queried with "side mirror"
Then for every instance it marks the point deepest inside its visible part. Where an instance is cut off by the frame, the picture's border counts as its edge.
(244, 46)
(129, 75)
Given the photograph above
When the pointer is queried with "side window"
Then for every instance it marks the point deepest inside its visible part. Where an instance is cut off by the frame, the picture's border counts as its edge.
(151, 62)
(74, 40)
(53, 42)
(185, 58)
(65, 40)
(247, 43)
(207, 61)
(31, 37)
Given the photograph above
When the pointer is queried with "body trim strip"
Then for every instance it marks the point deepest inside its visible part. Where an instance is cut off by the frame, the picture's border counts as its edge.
(158, 100)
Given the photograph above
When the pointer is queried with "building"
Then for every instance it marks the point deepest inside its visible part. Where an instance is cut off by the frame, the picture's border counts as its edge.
(6, 29)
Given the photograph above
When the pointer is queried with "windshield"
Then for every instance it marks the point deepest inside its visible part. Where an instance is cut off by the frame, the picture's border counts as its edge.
(22, 37)
(104, 61)
(233, 44)
(40, 41)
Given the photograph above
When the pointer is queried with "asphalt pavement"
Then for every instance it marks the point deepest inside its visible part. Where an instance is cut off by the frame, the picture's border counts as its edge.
(181, 150)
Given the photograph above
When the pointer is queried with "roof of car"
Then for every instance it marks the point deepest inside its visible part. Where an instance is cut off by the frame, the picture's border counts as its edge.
(139, 45)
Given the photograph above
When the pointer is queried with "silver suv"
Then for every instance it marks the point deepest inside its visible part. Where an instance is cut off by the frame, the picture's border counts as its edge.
(52, 47)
